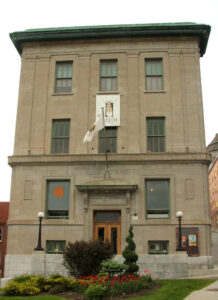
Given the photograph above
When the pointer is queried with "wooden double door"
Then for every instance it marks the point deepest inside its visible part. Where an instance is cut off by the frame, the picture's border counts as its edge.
(107, 227)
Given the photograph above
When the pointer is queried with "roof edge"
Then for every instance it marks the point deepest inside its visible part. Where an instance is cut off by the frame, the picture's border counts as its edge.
(113, 31)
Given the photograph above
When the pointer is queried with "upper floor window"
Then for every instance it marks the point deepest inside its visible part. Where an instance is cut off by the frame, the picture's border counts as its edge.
(58, 194)
(156, 134)
(157, 198)
(153, 74)
(60, 136)
(108, 75)
(63, 82)
(0, 234)
(107, 139)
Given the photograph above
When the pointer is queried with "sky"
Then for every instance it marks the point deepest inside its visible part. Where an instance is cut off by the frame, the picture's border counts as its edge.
(19, 15)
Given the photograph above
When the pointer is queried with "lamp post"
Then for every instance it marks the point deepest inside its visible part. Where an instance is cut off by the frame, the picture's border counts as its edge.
(179, 215)
(39, 247)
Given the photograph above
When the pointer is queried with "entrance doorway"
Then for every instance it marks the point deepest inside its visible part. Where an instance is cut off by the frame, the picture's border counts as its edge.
(107, 227)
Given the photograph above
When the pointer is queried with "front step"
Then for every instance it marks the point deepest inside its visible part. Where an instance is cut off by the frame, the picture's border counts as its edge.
(203, 273)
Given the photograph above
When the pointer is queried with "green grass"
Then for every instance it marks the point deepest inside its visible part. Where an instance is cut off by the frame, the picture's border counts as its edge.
(44, 297)
(170, 290)
(176, 289)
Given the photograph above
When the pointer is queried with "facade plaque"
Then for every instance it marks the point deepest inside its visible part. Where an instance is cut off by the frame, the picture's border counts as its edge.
(111, 105)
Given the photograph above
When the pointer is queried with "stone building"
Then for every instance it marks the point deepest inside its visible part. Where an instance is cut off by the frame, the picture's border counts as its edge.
(147, 77)
(4, 208)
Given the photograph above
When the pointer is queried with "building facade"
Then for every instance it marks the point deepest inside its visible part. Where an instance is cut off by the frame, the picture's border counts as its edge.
(4, 208)
(147, 79)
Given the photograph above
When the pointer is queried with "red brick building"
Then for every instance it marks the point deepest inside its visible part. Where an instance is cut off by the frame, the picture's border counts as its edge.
(4, 207)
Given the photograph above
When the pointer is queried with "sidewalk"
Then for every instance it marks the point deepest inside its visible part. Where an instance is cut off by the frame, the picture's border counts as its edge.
(210, 292)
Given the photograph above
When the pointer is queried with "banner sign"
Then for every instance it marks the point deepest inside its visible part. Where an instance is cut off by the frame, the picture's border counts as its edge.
(192, 240)
(111, 105)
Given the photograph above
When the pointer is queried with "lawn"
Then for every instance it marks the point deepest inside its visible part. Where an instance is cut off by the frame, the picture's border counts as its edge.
(176, 289)
(170, 290)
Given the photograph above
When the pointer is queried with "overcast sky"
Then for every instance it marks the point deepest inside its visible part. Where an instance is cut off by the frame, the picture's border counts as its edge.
(18, 15)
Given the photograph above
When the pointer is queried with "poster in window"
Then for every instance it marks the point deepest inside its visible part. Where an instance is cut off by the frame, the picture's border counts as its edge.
(192, 240)
(183, 241)
(111, 105)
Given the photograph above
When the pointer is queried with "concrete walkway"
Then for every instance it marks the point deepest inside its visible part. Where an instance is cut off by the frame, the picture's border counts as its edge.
(210, 292)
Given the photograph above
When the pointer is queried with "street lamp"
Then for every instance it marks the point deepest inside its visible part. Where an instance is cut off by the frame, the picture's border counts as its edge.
(179, 215)
(39, 247)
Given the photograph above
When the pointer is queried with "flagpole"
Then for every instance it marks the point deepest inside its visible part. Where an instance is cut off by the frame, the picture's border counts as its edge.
(107, 172)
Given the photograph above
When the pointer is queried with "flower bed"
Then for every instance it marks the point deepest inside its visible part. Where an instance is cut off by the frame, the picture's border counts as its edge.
(93, 287)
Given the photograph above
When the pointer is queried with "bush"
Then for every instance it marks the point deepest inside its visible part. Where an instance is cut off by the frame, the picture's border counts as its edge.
(129, 254)
(57, 289)
(84, 258)
(22, 278)
(20, 289)
(113, 267)
(95, 292)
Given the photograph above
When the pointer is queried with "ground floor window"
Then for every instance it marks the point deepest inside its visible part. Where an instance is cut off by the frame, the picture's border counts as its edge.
(158, 247)
(190, 237)
(55, 246)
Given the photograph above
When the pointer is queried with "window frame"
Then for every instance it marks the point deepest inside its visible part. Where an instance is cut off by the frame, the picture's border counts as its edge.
(104, 61)
(1, 234)
(160, 213)
(152, 76)
(161, 243)
(66, 90)
(158, 136)
(63, 213)
(60, 138)
(55, 241)
(108, 138)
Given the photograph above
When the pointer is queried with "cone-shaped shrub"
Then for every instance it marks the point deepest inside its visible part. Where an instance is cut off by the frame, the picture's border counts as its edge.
(129, 254)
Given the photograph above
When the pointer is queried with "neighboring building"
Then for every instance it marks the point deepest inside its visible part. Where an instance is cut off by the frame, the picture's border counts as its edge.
(4, 208)
(213, 188)
(147, 77)
(213, 148)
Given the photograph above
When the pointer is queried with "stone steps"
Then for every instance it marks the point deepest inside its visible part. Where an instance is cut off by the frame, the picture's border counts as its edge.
(203, 273)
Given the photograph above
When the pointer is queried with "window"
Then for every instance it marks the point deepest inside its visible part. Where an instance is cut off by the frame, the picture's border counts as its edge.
(0, 234)
(58, 193)
(158, 247)
(157, 198)
(55, 246)
(60, 136)
(108, 137)
(153, 74)
(108, 75)
(63, 83)
(156, 134)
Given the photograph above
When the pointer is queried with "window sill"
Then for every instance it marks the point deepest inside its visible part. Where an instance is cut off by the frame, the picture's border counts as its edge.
(108, 92)
(155, 91)
(63, 94)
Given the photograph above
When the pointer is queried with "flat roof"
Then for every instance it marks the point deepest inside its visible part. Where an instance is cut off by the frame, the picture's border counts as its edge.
(202, 31)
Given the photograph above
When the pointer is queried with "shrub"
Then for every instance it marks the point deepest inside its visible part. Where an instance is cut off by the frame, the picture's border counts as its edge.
(20, 289)
(95, 291)
(84, 258)
(113, 267)
(22, 278)
(57, 289)
(129, 254)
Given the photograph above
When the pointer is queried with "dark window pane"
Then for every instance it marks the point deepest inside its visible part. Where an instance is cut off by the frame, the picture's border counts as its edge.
(114, 239)
(155, 134)
(60, 136)
(108, 75)
(154, 74)
(55, 246)
(63, 77)
(110, 140)
(107, 216)
(101, 234)
(157, 198)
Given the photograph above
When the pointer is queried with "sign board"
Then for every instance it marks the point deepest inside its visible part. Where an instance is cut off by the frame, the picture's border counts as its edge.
(111, 105)
(192, 240)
